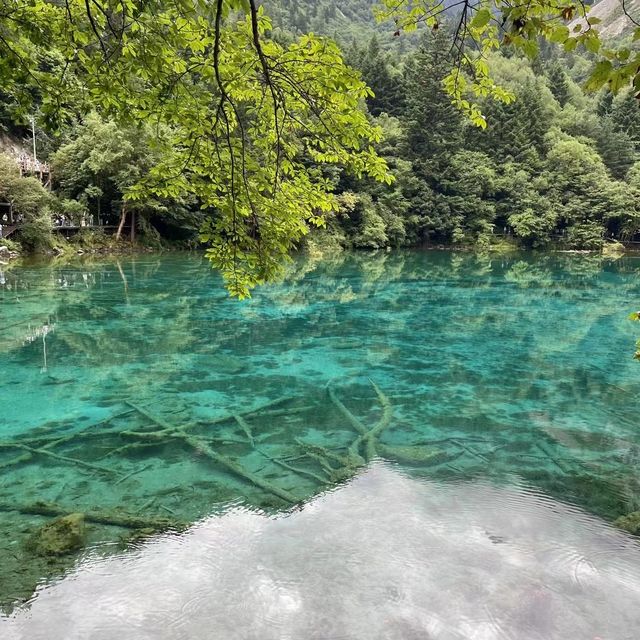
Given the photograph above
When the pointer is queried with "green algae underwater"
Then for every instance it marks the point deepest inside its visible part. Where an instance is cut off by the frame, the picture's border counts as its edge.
(136, 397)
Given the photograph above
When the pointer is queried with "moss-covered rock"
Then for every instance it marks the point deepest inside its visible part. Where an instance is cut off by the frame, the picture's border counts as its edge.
(630, 523)
(222, 363)
(59, 537)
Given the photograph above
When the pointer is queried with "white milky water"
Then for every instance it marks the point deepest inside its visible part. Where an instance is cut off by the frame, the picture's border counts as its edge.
(386, 556)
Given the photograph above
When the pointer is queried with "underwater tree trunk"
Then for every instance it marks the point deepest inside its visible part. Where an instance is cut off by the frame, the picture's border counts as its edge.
(110, 518)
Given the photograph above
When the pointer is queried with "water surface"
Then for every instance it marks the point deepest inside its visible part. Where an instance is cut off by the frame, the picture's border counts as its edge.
(136, 392)
(383, 557)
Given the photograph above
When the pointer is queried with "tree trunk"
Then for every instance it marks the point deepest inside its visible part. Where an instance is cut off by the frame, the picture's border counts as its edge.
(123, 217)
(133, 226)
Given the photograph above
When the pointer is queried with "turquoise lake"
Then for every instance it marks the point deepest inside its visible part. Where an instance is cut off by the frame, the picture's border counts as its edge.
(455, 393)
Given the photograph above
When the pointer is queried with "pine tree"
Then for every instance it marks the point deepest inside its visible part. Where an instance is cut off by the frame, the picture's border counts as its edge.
(558, 84)
(515, 131)
(605, 104)
(387, 87)
(625, 116)
(616, 148)
(434, 125)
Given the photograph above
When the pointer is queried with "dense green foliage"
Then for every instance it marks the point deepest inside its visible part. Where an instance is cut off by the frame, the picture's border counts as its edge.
(553, 164)
(96, 165)
(241, 123)
(30, 202)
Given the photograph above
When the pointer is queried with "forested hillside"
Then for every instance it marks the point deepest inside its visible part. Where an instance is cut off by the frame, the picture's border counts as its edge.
(556, 164)
(345, 22)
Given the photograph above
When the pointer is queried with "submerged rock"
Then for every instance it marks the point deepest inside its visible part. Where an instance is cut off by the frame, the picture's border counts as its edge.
(222, 363)
(630, 523)
(59, 537)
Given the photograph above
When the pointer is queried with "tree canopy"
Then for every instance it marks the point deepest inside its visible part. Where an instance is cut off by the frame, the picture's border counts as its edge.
(243, 121)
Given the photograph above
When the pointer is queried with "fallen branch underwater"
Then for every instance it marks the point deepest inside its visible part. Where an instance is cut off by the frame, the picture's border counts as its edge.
(335, 466)
(201, 446)
(41, 445)
(302, 472)
(48, 441)
(366, 439)
(147, 429)
(44, 452)
(113, 519)
(369, 439)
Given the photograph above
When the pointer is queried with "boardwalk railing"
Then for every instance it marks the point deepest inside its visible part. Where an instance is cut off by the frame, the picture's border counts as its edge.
(7, 230)
(30, 166)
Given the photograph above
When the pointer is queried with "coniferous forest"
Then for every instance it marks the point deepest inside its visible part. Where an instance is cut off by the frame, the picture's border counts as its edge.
(556, 164)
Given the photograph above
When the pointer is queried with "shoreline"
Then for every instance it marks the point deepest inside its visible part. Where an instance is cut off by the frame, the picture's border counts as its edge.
(12, 257)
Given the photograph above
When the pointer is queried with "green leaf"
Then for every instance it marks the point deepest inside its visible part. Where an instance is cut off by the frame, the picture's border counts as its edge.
(481, 18)
(530, 48)
(570, 44)
(559, 34)
(599, 76)
(592, 43)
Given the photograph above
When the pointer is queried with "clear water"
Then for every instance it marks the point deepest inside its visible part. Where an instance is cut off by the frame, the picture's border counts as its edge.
(384, 557)
(136, 392)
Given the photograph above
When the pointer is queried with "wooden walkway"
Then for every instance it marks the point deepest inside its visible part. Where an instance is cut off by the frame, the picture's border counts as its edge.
(75, 227)
(30, 166)
(8, 229)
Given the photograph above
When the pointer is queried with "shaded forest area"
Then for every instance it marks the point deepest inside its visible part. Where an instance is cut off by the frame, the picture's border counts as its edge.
(556, 164)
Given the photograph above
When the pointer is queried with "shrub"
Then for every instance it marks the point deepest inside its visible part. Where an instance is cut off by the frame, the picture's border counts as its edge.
(31, 203)
(586, 235)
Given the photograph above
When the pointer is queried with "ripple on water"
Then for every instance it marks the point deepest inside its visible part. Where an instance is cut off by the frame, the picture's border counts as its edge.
(474, 561)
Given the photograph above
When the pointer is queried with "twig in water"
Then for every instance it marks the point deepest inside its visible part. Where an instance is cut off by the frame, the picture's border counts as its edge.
(132, 473)
(246, 427)
(302, 472)
(171, 511)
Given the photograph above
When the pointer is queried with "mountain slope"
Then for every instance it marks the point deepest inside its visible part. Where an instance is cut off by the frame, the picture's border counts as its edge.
(614, 22)
(343, 20)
